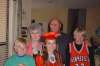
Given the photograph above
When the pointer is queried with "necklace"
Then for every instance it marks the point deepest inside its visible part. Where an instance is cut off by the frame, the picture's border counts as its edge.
(52, 58)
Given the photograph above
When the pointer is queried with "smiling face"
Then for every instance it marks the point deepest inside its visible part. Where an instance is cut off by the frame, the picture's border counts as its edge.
(51, 45)
(20, 49)
(55, 26)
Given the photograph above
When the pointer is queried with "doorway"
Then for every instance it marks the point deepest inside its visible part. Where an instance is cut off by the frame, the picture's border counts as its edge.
(76, 18)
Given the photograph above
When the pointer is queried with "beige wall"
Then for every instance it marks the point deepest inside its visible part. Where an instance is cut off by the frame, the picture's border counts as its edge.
(92, 20)
(43, 15)
(26, 12)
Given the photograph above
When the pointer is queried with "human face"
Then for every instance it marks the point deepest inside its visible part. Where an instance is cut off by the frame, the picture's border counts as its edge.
(35, 34)
(55, 26)
(20, 49)
(79, 37)
(51, 45)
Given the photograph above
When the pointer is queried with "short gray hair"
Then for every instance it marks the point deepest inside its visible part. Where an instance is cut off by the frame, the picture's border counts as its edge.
(36, 26)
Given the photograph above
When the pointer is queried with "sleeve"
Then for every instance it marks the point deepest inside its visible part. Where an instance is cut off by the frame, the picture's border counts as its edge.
(91, 56)
(67, 56)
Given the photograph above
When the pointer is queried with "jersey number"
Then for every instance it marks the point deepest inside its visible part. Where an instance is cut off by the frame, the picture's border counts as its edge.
(79, 65)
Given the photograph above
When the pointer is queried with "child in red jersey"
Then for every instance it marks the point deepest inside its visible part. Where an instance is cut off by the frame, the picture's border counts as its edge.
(79, 53)
(52, 56)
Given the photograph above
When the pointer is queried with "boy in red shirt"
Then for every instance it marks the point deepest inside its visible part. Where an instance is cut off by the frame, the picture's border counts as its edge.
(79, 52)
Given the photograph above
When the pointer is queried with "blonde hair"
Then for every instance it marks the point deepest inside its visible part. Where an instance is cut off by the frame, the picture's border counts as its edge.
(22, 40)
(79, 30)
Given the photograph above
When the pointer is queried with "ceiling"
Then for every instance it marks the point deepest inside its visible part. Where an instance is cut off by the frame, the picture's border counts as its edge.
(65, 3)
(82, 3)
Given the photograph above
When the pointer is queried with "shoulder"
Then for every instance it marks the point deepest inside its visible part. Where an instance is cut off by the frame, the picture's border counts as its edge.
(9, 60)
(30, 60)
(70, 44)
(63, 34)
(29, 57)
(67, 36)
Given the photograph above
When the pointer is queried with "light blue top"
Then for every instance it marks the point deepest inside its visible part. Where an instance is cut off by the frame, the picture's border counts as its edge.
(15, 60)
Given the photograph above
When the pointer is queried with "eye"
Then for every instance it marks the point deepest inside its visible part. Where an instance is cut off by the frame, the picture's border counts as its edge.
(53, 24)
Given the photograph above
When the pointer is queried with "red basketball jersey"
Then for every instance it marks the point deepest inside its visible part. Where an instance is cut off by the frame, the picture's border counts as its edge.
(52, 64)
(81, 57)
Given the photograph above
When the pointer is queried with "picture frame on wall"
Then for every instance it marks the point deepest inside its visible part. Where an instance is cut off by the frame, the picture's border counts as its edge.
(24, 32)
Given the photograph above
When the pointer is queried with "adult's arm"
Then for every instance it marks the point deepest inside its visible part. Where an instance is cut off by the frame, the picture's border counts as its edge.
(67, 56)
(91, 56)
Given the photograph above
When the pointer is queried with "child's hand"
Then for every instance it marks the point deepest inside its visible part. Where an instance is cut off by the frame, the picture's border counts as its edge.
(21, 65)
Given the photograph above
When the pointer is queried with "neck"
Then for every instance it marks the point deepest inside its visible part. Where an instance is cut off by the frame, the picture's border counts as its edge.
(50, 52)
(20, 55)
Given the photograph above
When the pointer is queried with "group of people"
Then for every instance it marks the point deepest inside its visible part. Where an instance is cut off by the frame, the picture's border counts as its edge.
(53, 48)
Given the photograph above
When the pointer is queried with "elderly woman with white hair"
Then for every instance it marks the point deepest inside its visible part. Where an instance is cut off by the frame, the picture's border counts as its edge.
(34, 45)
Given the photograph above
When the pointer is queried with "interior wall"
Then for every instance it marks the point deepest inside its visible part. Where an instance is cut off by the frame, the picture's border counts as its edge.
(26, 12)
(92, 20)
(43, 15)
